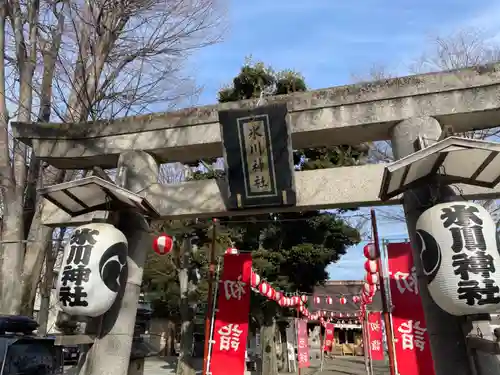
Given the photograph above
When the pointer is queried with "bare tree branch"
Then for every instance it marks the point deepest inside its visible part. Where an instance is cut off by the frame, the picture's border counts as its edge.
(74, 61)
(465, 48)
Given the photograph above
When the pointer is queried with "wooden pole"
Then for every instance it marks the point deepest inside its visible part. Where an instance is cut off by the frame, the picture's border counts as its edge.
(211, 276)
(212, 318)
(370, 359)
(322, 346)
(366, 344)
(385, 301)
(297, 333)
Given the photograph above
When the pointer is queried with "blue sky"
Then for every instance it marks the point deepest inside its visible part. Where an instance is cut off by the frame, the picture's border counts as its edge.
(328, 42)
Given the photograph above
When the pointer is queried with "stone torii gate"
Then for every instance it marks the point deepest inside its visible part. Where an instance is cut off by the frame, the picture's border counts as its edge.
(464, 100)
(399, 109)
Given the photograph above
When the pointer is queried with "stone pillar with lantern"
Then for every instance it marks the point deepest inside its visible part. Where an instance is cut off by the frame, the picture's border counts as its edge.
(103, 261)
(454, 241)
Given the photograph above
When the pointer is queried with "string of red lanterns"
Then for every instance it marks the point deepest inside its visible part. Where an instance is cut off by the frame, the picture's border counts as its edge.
(371, 278)
(163, 244)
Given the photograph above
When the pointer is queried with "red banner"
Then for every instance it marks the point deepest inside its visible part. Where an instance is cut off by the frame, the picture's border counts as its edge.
(376, 341)
(302, 344)
(329, 335)
(231, 323)
(411, 340)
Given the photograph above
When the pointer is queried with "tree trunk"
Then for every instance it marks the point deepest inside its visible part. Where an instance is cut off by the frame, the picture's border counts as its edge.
(48, 280)
(45, 292)
(185, 365)
(268, 344)
(40, 236)
(39, 239)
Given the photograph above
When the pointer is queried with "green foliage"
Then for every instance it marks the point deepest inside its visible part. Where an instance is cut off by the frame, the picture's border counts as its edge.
(161, 273)
(161, 285)
(255, 79)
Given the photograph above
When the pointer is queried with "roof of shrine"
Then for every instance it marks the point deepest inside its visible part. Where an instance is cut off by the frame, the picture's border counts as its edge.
(338, 289)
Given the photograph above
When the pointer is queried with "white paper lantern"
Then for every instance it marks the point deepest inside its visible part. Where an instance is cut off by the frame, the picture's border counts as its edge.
(93, 270)
(459, 255)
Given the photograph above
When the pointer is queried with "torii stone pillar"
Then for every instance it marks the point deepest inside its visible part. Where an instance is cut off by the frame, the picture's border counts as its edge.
(446, 335)
(110, 353)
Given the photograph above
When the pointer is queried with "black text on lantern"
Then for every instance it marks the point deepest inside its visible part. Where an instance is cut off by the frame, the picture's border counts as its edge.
(471, 255)
(76, 272)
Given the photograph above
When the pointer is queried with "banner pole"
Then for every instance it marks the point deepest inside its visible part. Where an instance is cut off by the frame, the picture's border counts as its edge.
(212, 319)
(385, 269)
(370, 361)
(322, 344)
(364, 327)
(211, 275)
(384, 296)
(297, 329)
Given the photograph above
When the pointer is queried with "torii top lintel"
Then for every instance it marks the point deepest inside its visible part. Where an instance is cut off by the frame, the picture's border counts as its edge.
(466, 99)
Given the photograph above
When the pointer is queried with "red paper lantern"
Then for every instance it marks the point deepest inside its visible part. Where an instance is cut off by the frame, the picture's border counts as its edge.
(303, 298)
(277, 295)
(356, 299)
(371, 266)
(369, 289)
(231, 251)
(329, 300)
(366, 299)
(372, 278)
(163, 244)
(270, 293)
(343, 300)
(264, 288)
(254, 279)
(370, 251)
(295, 300)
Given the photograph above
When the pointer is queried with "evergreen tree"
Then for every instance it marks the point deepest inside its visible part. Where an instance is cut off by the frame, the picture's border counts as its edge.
(290, 250)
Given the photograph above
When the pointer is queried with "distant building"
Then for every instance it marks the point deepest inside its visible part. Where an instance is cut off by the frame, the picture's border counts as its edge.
(348, 333)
